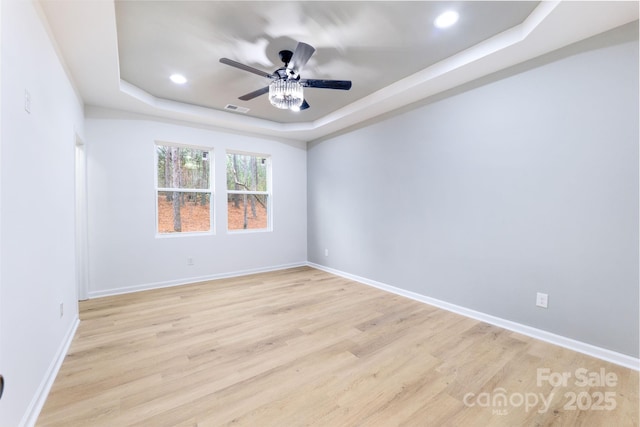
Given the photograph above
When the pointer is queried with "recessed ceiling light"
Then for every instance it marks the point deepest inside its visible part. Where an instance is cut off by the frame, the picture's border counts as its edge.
(178, 79)
(446, 19)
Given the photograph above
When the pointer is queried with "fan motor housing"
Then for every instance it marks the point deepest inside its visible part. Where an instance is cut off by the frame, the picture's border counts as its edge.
(281, 73)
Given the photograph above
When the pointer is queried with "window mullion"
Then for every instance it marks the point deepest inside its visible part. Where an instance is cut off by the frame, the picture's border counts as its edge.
(266, 193)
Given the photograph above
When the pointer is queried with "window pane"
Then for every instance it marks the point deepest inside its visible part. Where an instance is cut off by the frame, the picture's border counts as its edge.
(246, 172)
(183, 212)
(180, 167)
(247, 211)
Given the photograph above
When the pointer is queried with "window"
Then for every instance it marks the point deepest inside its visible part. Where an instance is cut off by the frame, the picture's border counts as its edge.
(248, 191)
(183, 189)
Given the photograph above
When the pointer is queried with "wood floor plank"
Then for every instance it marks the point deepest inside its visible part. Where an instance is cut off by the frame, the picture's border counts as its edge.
(302, 347)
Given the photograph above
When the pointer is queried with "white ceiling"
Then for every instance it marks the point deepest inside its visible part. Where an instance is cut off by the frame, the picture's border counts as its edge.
(373, 44)
(120, 54)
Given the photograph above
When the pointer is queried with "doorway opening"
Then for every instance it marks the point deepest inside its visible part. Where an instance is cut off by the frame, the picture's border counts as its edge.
(82, 270)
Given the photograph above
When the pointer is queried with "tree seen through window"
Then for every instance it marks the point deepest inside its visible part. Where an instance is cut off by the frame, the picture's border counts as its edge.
(247, 191)
(183, 189)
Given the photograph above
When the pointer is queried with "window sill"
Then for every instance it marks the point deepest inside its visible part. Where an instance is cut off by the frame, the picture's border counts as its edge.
(184, 234)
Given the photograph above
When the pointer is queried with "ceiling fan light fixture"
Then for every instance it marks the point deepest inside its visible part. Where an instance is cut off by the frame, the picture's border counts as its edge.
(286, 94)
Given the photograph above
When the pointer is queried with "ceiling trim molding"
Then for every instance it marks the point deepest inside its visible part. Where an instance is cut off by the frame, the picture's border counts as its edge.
(380, 102)
(400, 92)
(105, 113)
(93, 62)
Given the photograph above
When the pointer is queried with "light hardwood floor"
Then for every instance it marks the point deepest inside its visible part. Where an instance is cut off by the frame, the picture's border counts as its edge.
(302, 347)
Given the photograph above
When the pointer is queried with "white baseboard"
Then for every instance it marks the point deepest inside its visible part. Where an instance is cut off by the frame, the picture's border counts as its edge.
(33, 411)
(190, 280)
(571, 344)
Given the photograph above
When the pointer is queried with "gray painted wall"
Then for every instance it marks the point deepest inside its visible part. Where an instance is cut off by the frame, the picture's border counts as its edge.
(525, 181)
(38, 262)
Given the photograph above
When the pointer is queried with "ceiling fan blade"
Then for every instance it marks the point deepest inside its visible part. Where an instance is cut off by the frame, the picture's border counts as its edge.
(327, 84)
(304, 105)
(254, 94)
(245, 67)
(300, 57)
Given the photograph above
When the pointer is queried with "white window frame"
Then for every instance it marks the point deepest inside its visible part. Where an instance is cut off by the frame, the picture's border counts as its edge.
(268, 193)
(210, 191)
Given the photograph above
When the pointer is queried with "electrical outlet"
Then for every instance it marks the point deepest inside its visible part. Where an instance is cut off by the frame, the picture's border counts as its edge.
(189, 261)
(542, 300)
(326, 252)
(61, 309)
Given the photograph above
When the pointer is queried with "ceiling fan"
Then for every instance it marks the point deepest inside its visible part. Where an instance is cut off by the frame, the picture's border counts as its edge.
(286, 87)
